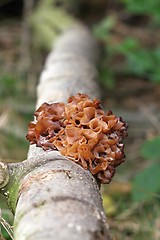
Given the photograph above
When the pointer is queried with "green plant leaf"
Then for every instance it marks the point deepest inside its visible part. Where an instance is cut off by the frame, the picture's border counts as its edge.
(8, 217)
(107, 79)
(146, 184)
(8, 86)
(145, 7)
(129, 44)
(102, 29)
(151, 149)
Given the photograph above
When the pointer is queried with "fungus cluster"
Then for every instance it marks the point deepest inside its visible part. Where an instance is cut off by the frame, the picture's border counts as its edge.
(81, 131)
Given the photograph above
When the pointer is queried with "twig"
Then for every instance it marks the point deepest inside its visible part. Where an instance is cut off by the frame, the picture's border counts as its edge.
(1, 237)
(7, 227)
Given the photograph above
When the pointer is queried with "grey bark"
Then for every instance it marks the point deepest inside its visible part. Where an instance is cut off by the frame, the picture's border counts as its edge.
(56, 198)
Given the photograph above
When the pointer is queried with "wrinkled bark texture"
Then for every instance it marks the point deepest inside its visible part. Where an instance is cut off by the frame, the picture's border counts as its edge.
(58, 199)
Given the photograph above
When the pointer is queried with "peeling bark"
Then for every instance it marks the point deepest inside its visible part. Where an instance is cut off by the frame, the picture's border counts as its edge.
(54, 198)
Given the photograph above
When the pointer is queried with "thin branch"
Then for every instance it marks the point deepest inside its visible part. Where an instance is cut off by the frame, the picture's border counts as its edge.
(7, 227)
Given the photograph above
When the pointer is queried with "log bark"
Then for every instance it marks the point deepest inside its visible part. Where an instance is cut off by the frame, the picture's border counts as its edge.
(53, 197)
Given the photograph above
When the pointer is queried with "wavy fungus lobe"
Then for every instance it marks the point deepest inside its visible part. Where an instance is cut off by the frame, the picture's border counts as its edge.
(81, 131)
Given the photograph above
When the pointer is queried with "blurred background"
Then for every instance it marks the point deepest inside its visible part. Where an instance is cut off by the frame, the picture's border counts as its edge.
(128, 32)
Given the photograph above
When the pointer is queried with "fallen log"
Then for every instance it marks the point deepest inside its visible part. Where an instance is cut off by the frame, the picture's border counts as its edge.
(52, 197)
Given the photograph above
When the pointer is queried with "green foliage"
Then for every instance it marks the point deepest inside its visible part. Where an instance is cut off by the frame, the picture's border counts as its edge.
(6, 220)
(12, 147)
(151, 149)
(140, 61)
(107, 78)
(137, 60)
(47, 22)
(102, 30)
(145, 7)
(8, 86)
(6, 229)
(146, 184)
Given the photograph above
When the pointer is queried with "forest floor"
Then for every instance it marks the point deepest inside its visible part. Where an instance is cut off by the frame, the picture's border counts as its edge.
(135, 99)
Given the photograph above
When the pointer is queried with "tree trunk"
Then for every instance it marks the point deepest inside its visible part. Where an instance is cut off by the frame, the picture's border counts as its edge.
(53, 197)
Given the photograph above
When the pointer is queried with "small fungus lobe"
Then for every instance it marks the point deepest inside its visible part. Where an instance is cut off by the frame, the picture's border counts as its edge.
(81, 131)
